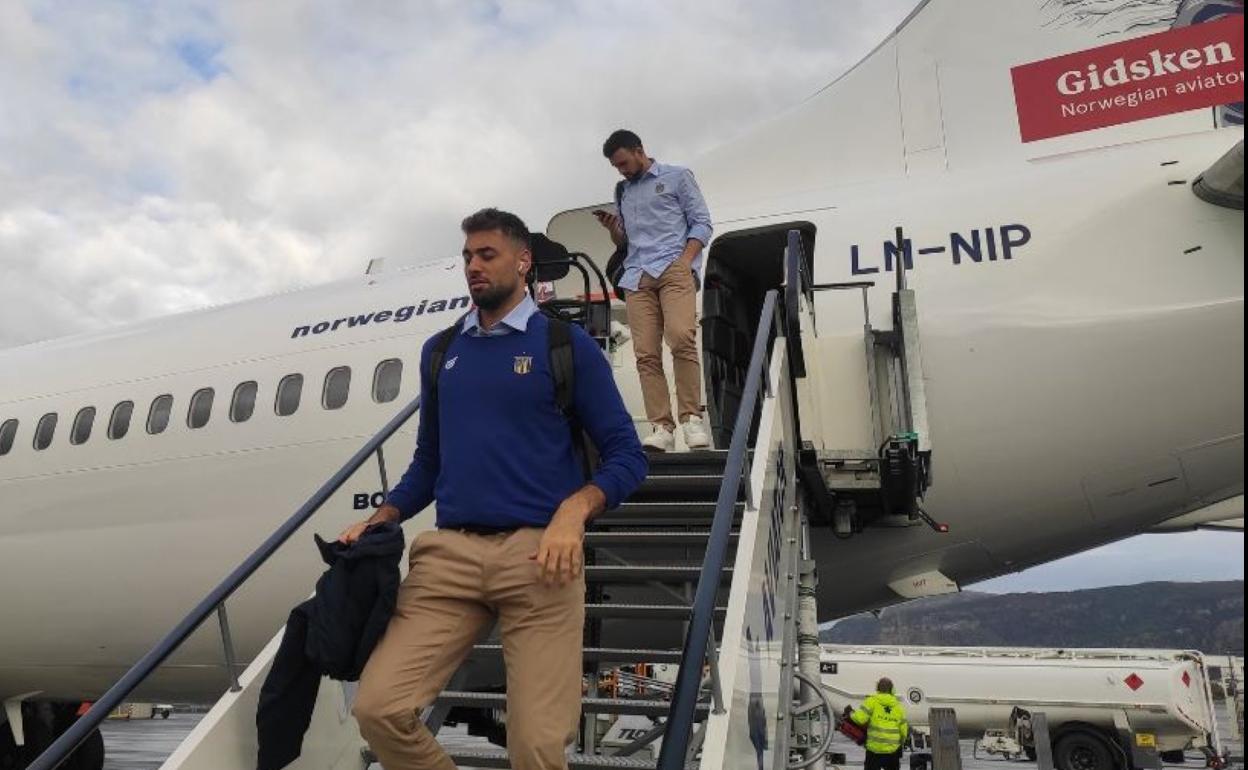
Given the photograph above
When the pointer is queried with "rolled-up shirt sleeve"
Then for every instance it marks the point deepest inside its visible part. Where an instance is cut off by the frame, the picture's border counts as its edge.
(622, 462)
(414, 492)
(697, 216)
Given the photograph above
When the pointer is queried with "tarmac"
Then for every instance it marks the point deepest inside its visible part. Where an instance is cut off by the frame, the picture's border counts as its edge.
(145, 744)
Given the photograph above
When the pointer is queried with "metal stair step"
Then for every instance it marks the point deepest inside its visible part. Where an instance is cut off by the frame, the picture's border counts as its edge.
(662, 514)
(491, 700)
(647, 574)
(651, 538)
(684, 463)
(498, 758)
(694, 488)
(645, 611)
(684, 458)
(597, 654)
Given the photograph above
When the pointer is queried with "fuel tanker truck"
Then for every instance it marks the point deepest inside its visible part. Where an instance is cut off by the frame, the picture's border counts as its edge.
(1096, 701)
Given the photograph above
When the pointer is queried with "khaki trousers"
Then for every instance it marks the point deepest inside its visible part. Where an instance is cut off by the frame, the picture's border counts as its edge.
(458, 584)
(666, 308)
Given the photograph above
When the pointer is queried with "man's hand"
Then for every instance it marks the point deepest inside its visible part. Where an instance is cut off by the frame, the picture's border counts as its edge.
(352, 533)
(693, 247)
(613, 223)
(561, 554)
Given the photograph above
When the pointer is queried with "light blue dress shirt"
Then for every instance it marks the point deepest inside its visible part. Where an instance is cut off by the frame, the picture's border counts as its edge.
(517, 320)
(661, 211)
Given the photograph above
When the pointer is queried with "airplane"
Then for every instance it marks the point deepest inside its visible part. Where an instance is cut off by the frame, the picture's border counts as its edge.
(1080, 287)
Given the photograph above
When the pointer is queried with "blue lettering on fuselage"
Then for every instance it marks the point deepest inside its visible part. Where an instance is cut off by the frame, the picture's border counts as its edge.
(976, 246)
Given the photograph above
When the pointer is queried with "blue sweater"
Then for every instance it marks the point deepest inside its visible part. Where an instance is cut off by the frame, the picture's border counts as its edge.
(499, 452)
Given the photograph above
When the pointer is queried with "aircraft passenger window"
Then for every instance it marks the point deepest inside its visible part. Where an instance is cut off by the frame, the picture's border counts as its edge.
(82, 425)
(8, 432)
(244, 402)
(289, 390)
(119, 423)
(45, 430)
(201, 408)
(337, 385)
(386, 380)
(158, 417)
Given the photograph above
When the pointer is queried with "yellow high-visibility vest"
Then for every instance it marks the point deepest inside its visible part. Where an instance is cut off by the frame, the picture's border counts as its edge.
(885, 719)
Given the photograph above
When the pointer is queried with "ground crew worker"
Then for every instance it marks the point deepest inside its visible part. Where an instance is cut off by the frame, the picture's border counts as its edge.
(496, 453)
(885, 719)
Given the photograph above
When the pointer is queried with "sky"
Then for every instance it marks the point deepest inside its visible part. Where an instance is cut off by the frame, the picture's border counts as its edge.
(161, 156)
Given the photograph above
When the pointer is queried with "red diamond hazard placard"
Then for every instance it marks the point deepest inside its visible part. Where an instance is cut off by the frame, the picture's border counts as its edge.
(1134, 682)
(1187, 679)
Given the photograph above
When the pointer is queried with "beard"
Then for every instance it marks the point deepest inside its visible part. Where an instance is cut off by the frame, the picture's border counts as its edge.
(493, 296)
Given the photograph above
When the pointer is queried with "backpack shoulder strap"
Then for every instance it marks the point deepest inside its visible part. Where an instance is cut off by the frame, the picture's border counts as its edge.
(563, 370)
(437, 355)
(619, 198)
(562, 366)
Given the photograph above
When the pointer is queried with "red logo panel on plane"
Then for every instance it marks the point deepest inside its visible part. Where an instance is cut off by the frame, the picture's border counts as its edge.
(1174, 71)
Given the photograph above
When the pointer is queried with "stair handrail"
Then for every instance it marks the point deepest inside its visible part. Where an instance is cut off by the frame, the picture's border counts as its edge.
(783, 319)
(797, 285)
(680, 715)
(63, 746)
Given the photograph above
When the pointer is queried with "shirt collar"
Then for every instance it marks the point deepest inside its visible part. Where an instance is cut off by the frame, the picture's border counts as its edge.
(517, 319)
(652, 171)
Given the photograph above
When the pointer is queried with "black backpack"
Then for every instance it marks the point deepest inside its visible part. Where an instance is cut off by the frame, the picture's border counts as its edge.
(615, 264)
(562, 369)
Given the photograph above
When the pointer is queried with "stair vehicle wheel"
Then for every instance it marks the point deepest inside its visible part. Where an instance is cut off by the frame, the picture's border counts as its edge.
(1081, 750)
(89, 756)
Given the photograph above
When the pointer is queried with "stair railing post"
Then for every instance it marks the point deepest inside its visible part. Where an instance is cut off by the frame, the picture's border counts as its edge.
(717, 690)
(381, 469)
(227, 641)
(808, 650)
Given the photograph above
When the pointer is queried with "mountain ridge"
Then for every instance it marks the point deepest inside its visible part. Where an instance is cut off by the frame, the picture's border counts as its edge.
(1206, 616)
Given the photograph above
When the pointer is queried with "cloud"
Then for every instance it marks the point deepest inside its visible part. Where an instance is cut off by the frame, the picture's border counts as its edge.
(171, 155)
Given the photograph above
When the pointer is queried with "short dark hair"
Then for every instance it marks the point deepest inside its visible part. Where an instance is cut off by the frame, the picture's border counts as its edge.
(505, 222)
(884, 685)
(623, 139)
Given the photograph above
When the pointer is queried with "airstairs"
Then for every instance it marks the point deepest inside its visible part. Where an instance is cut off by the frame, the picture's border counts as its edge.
(707, 569)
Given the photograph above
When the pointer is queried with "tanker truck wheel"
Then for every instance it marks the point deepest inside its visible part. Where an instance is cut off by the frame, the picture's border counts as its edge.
(1030, 751)
(1082, 751)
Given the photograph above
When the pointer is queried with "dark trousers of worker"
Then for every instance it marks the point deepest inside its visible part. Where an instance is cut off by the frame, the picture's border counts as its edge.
(458, 584)
(883, 761)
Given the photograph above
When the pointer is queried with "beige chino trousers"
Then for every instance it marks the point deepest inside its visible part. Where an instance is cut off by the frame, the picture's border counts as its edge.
(458, 584)
(665, 308)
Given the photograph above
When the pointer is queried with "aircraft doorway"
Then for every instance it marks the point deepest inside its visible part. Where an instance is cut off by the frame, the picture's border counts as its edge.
(741, 268)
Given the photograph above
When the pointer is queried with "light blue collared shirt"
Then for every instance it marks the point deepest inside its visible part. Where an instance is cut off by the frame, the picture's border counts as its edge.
(662, 210)
(515, 321)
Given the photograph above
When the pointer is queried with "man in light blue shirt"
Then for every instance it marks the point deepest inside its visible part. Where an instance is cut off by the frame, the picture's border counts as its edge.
(664, 221)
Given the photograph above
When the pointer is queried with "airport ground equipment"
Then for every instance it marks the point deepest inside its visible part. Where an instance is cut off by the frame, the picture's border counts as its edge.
(1103, 707)
(999, 743)
(946, 749)
(708, 566)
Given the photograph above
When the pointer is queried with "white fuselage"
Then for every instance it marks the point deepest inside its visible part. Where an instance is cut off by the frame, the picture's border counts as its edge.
(1085, 389)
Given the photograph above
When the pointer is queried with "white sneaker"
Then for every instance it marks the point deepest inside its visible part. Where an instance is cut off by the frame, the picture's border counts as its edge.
(660, 440)
(696, 436)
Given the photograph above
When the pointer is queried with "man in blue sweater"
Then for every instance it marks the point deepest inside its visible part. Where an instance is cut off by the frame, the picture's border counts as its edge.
(496, 453)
